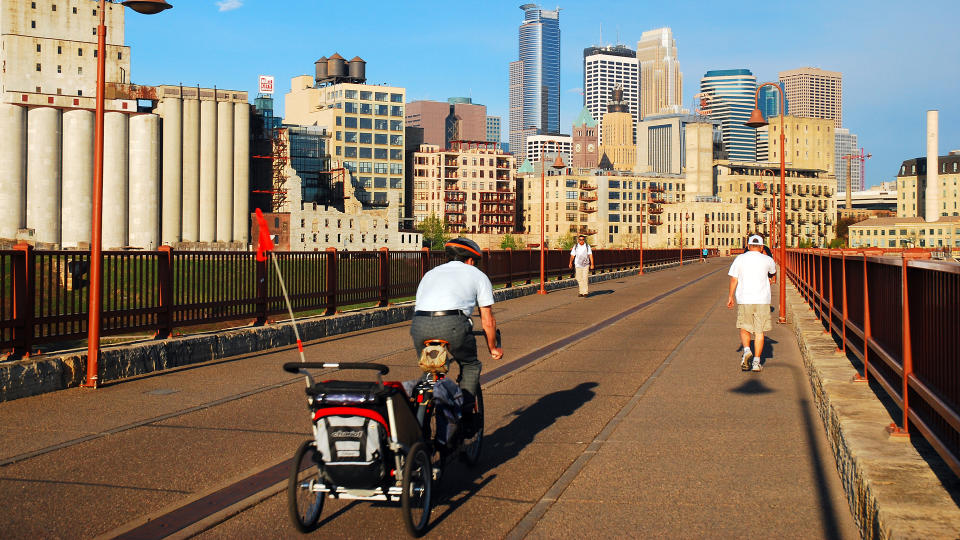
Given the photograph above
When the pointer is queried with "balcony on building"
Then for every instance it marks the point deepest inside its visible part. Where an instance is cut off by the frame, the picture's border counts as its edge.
(588, 197)
(455, 196)
(587, 186)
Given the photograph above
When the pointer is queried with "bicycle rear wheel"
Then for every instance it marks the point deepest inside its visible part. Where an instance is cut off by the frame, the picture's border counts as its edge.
(471, 446)
(416, 498)
(305, 504)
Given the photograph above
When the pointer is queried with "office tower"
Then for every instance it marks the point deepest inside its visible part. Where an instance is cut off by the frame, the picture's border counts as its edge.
(605, 68)
(769, 101)
(730, 94)
(814, 93)
(493, 129)
(846, 144)
(535, 78)
(457, 119)
(585, 141)
(618, 150)
(550, 145)
(661, 83)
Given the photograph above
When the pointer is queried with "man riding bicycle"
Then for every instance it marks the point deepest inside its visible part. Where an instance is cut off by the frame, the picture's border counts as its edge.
(446, 297)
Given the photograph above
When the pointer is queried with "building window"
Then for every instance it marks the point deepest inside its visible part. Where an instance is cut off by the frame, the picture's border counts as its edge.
(74, 11)
(54, 7)
(79, 52)
(80, 70)
(33, 24)
(59, 49)
(119, 56)
(38, 67)
(38, 47)
(59, 69)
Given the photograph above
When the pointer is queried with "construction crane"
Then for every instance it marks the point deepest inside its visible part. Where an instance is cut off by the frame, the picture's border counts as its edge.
(863, 157)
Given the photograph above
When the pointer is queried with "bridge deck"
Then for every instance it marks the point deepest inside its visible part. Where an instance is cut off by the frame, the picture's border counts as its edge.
(639, 424)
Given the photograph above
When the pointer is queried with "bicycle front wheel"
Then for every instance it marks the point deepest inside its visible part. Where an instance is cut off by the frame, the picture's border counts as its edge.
(305, 504)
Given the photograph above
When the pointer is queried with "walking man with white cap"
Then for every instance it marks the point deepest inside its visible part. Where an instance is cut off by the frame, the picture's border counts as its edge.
(750, 277)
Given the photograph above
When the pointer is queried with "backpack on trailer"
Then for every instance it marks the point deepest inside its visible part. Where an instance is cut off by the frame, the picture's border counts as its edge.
(352, 432)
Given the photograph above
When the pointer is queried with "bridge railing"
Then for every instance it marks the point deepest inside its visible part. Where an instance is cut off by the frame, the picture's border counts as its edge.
(44, 294)
(899, 314)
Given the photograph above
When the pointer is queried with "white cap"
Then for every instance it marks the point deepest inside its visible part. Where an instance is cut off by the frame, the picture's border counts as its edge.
(755, 240)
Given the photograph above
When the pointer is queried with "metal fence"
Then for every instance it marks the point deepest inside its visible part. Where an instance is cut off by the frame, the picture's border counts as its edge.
(899, 313)
(44, 295)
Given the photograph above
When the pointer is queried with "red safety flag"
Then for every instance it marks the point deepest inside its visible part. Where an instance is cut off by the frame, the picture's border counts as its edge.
(265, 242)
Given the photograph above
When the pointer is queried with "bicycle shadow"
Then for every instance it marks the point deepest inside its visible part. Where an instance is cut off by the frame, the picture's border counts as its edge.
(460, 483)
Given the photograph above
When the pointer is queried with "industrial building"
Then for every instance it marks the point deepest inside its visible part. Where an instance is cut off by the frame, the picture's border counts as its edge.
(175, 158)
(366, 122)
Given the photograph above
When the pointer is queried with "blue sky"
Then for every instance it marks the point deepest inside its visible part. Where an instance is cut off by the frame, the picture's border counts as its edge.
(898, 59)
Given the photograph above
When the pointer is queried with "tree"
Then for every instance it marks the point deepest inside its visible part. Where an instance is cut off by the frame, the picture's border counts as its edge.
(509, 242)
(843, 228)
(837, 243)
(433, 232)
(566, 241)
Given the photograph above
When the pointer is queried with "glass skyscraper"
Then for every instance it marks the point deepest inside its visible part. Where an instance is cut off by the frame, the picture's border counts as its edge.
(769, 102)
(730, 94)
(535, 78)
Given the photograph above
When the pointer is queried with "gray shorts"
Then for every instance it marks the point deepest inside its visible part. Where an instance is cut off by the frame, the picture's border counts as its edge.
(754, 317)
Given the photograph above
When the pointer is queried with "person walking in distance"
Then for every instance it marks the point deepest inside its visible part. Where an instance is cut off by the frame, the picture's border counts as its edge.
(750, 277)
(581, 257)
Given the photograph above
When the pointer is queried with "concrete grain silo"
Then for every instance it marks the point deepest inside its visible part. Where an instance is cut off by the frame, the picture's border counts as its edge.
(78, 136)
(115, 179)
(144, 223)
(224, 171)
(43, 173)
(241, 172)
(190, 218)
(171, 113)
(208, 171)
(13, 169)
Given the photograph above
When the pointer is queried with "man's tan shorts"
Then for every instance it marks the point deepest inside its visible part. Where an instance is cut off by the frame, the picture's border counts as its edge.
(754, 317)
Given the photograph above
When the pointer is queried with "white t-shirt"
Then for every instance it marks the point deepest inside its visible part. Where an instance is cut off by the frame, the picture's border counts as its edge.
(581, 255)
(454, 285)
(752, 271)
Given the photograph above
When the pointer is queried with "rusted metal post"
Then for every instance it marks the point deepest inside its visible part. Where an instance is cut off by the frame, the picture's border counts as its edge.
(165, 281)
(843, 270)
(509, 256)
(333, 263)
(866, 325)
(24, 289)
(907, 354)
(424, 261)
(829, 327)
(261, 277)
(383, 257)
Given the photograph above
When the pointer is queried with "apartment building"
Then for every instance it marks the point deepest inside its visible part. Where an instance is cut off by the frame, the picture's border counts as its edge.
(912, 186)
(810, 207)
(898, 232)
(470, 186)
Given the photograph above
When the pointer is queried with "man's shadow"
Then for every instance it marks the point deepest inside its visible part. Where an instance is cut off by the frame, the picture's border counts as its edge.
(598, 293)
(460, 482)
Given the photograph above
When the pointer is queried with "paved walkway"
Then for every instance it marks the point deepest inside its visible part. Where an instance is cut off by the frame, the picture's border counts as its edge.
(640, 425)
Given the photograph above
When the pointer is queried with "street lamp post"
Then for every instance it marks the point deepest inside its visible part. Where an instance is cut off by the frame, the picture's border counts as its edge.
(147, 7)
(558, 164)
(757, 121)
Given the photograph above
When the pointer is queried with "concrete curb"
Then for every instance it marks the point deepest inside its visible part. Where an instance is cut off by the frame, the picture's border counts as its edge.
(892, 490)
(49, 373)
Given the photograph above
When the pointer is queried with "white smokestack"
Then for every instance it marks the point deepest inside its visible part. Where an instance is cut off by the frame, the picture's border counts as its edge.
(933, 168)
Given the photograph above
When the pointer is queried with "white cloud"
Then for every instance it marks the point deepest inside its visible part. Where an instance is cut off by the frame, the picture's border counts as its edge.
(228, 5)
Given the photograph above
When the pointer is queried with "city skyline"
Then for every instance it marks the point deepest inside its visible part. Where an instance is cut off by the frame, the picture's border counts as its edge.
(441, 58)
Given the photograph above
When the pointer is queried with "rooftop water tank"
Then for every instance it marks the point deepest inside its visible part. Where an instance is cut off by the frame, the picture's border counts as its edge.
(321, 68)
(358, 69)
(336, 66)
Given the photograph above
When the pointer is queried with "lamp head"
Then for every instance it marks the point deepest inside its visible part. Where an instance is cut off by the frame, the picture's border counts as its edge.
(147, 7)
(756, 120)
(558, 163)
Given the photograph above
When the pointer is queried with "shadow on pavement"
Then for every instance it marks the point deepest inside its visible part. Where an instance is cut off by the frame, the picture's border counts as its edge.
(598, 293)
(460, 483)
(752, 386)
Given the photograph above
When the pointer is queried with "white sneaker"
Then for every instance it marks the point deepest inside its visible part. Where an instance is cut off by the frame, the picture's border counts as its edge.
(745, 363)
(756, 365)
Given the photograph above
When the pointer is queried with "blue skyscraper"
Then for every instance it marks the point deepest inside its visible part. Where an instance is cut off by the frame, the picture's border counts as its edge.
(769, 102)
(729, 94)
(535, 78)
